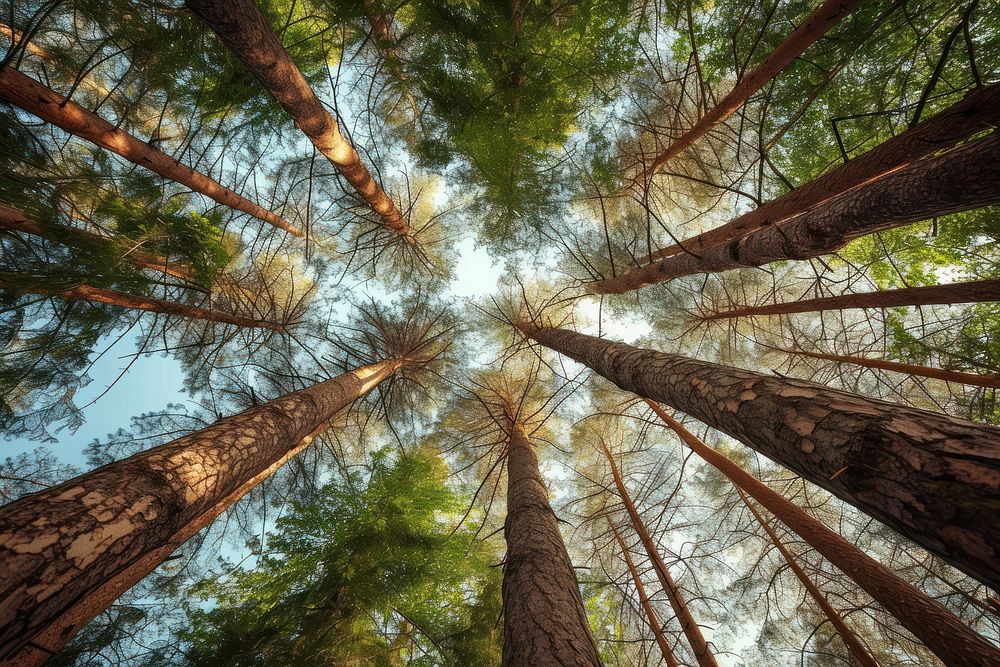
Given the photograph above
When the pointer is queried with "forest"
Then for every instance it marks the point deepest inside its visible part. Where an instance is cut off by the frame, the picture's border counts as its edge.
(500, 332)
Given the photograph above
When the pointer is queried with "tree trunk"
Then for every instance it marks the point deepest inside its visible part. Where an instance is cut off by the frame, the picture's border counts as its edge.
(854, 645)
(928, 476)
(69, 551)
(977, 379)
(947, 636)
(31, 96)
(20, 284)
(960, 179)
(977, 111)
(243, 28)
(379, 23)
(651, 618)
(15, 220)
(544, 620)
(690, 627)
(825, 17)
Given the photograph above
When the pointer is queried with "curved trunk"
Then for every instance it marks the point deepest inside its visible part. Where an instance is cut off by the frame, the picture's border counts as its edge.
(973, 292)
(960, 179)
(825, 17)
(651, 618)
(690, 627)
(977, 111)
(243, 28)
(69, 551)
(544, 620)
(41, 285)
(929, 476)
(931, 623)
(31, 96)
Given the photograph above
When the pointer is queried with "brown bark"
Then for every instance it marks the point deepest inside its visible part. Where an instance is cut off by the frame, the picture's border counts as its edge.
(70, 550)
(379, 23)
(953, 641)
(977, 379)
(960, 179)
(16, 37)
(972, 292)
(854, 645)
(244, 29)
(977, 111)
(929, 476)
(825, 17)
(652, 620)
(15, 220)
(31, 96)
(544, 620)
(17, 283)
(690, 627)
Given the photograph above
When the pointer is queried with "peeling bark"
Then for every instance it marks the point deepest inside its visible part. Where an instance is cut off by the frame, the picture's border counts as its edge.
(692, 631)
(70, 550)
(929, 476)
(16, 283)
(243, 28)
(31, 96)
(544, 620)
(960, 179)
(940, 630)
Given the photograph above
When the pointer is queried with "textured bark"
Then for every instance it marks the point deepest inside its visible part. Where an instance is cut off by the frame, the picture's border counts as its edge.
(976, 112)
(929, 476)
(544, 621)
(68, 551)
(689, 626)
(16, 283)
(243, 28)
(973, 292)
(825, 17)
(651, 618)
(379, 23)
(960, 179)
(15, 220)
(953, 641)
(31, 96)
(977, 379)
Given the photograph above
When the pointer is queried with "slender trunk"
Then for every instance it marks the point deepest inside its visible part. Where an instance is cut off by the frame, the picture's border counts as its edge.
(929, 476)
(690, 627)
(31, 96)
(947, 636)
(825, 17)
(16, 37)
(651, 618)
(20, 284)
(69, 551)
(379, 23)
(544, 620)
(977, 111)
(960, 179)
(854, 645)
(243, 28)
(973, 292)
(977, 379)
(15, 220)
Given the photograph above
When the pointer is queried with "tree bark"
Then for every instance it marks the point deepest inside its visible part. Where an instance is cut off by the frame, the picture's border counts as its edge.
(947, 636)
(651, 618)
(699, 646)
(817, 24)
(972, 292)
(41, 285)
(930, 477)
(15, 220)
(31, 96)
(244, 29)
(976, 112)
(960, 179)
(544, 620)
(69, 551)
(977, 379)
